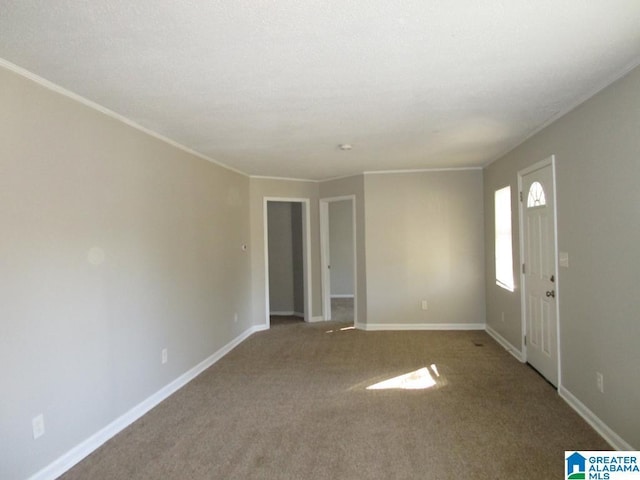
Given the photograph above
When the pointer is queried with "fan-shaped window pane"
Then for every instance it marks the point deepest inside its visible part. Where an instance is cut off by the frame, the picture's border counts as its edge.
(536, 196)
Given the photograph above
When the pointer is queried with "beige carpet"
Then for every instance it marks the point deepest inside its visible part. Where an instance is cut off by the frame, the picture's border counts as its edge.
(293, 403)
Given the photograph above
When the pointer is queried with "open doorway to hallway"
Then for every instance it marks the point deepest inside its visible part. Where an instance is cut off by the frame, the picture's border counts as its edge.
(337, 230)
(286, 262)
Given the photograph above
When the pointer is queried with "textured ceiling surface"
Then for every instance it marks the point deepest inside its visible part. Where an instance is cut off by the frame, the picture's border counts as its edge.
(273, 87)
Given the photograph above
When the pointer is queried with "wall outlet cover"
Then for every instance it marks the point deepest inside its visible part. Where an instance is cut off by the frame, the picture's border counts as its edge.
(600, 382)
(38, 426)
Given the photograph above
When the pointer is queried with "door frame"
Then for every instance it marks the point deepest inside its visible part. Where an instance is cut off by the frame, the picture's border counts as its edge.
(306, 253)
(549, 161)
(325, 255)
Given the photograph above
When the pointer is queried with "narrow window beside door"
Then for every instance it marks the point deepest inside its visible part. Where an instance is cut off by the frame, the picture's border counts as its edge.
(503, 248)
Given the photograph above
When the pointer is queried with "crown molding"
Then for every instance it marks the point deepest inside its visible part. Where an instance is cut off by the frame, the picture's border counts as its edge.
(109, 113)
(579, 101)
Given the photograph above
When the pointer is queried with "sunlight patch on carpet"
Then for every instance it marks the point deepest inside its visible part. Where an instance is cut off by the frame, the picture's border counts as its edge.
(418, 380)
(341, 329)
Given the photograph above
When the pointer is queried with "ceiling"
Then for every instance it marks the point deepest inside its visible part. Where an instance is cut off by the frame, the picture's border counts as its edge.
(274, 87)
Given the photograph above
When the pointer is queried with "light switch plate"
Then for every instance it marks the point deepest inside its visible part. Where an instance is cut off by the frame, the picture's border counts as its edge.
(564, 259)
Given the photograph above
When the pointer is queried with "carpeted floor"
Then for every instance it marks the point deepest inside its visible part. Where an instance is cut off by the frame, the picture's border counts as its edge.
(293, 403)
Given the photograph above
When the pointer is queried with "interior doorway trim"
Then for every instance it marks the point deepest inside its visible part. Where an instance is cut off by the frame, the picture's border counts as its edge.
(325, 256)
(306, 253)
(549, 161)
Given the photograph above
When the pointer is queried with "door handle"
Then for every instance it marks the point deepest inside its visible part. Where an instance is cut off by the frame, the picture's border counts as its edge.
(551, 293)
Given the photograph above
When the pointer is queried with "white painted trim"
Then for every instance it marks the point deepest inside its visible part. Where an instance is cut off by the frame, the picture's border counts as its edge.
(340, 295)
(360, 326)
(83, 449)
(370, 172)
(325, 259)
(306, 264)
(286, 179)
(110, 113)
(340, 198)
(354, 233)
(611, 437)
(505, 344)
(421, 326)
(556, 265)
(536, 166)
(287, 313)
(316, 319)
(341, 177)
(551, 160)
(306, 252)
(265, 233)
(325, 254)
(420, 170)
(523, 307)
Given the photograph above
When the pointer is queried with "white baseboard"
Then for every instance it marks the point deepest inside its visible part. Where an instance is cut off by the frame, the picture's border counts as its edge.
(340, 295)
(506, 344)
(288, 313)
(82, 450)
(420, 326)
(316, 319)
(283, 313)
(611, 437)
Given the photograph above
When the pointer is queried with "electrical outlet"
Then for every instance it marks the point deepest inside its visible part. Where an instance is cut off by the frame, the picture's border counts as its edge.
(235, 317)
(425, 305)
(600, 382)
(37, 423)
(165, 355)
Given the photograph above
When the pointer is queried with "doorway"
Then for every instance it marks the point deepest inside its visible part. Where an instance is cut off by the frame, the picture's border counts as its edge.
(286, 237)
(338, 258)
(539, 275)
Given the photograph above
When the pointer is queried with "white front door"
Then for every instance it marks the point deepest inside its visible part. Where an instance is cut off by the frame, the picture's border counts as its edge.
(540, 276)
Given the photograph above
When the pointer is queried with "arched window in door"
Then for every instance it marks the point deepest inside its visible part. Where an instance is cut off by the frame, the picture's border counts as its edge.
(536, 196)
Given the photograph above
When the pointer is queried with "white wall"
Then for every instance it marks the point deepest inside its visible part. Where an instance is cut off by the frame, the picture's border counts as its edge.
(81, 334)
(424, 240)
(597, 151)
(341, 247)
